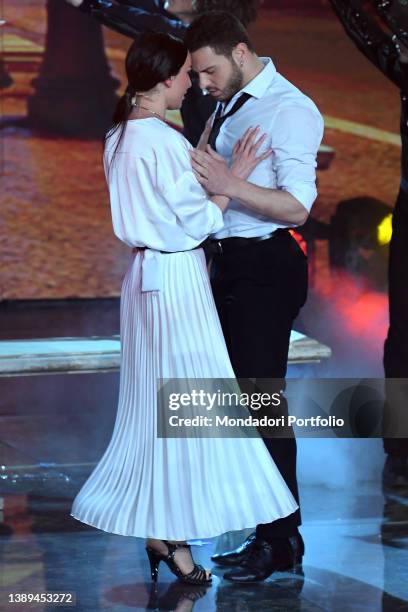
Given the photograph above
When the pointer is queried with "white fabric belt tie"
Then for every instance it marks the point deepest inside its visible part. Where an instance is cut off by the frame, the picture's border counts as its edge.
(152, 270)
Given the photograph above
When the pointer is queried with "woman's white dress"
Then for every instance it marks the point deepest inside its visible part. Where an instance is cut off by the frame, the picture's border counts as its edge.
(174, 488)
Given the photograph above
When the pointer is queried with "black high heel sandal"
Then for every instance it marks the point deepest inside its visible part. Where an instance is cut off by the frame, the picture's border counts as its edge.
(197, 576)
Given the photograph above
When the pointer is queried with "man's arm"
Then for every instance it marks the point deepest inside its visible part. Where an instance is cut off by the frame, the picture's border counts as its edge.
(296, 136)
(369, 37)
(131, 20)
(272, 203)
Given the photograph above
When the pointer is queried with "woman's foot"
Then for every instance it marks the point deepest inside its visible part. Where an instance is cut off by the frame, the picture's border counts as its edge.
(182, 555)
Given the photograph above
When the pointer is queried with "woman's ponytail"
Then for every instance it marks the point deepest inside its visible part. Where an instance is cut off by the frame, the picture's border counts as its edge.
(124, 106)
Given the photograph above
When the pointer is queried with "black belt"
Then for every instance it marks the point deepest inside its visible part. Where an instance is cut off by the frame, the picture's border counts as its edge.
(226, 245)
(200, 246)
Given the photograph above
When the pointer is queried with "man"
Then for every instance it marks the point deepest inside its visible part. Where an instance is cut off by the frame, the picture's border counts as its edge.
(130, 17)
(259, 273)
(390, 55)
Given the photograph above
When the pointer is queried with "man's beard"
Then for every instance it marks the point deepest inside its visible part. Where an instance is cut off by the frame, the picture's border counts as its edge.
(234, 83)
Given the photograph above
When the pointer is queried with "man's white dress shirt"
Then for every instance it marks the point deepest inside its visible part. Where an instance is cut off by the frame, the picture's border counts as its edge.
(295, 129)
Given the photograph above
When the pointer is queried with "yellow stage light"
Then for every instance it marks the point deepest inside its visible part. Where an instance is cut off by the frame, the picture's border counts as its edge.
(384, 230)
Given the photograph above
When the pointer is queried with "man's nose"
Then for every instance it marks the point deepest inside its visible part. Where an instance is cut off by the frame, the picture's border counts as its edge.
(204, 81)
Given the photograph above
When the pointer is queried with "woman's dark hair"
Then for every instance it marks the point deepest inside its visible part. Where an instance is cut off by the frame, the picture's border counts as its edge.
(219, 30)
(152, 58)
(244, 10)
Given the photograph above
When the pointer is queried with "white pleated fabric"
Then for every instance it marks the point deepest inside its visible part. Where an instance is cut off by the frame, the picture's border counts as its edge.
(175, 489)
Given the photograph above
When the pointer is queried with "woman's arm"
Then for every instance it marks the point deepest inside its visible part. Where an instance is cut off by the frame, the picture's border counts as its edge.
(221, 201)
(244, 159)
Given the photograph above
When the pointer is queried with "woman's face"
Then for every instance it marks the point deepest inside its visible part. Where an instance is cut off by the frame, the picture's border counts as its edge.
(179, 86)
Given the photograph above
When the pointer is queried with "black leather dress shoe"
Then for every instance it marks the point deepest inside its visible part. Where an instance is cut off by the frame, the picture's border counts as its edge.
(262, 560)
(298, 550)
(234, 558)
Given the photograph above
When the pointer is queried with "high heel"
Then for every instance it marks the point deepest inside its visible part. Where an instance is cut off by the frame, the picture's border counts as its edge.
(197, 576)
(154, 560)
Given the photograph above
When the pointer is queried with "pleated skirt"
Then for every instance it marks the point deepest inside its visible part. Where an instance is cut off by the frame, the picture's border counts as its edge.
(175, 488)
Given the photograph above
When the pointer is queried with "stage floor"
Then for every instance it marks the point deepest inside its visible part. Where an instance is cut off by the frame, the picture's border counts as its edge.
(356, 556)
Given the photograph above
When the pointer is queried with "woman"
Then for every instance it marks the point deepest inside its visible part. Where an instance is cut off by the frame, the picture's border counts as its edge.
(170, 490)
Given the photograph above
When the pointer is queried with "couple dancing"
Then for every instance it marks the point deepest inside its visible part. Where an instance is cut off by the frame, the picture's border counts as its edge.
(166, 199)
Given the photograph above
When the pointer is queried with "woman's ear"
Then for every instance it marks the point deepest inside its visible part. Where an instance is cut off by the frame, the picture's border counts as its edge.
(169, 82)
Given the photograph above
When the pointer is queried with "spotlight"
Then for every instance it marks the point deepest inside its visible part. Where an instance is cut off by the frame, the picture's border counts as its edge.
(384, 230)
(360, 232)
(358, 236)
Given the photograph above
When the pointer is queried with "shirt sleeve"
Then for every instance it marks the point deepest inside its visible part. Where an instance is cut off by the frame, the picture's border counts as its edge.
(195, 212)
(296, 136)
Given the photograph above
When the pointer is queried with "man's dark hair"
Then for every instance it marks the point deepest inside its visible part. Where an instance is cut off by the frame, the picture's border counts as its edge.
(244, 10)
(219, 30)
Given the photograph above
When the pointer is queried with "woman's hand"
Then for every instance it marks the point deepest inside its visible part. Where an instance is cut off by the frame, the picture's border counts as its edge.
(244, 159)
(212, 171)
(202, 143)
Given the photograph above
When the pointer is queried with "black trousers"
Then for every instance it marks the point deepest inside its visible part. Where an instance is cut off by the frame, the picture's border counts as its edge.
(258, 290)
(396, 344)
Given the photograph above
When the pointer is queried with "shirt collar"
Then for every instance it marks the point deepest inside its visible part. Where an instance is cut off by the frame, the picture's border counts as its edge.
(259, 84)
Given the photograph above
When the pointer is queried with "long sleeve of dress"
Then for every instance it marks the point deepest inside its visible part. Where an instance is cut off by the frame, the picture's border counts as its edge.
(190, 203)
(156, 200)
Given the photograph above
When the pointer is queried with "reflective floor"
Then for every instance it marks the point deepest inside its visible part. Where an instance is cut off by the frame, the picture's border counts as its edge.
(356, 556)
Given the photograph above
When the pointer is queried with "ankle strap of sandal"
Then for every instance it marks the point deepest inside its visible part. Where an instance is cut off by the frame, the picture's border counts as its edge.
(175, 546)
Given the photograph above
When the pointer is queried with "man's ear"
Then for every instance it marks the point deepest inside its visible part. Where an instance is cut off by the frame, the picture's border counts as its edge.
(240, 53)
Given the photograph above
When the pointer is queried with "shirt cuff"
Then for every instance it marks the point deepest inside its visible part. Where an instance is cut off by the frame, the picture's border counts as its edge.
(306, 195)
(218, 219)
